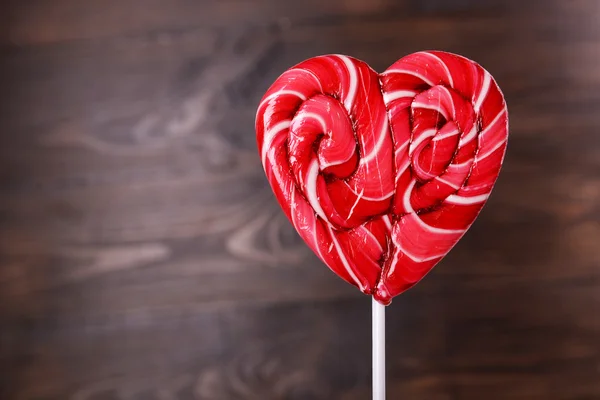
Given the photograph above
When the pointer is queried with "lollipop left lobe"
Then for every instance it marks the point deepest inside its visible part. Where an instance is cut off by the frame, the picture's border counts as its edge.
(381, 175)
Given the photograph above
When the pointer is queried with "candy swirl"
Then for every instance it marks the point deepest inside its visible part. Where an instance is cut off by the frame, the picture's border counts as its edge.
(382, 174)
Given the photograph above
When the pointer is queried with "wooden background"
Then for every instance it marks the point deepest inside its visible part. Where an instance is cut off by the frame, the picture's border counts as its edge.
(142, 255)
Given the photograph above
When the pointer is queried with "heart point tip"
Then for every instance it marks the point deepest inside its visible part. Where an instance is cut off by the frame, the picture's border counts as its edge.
(382, 297)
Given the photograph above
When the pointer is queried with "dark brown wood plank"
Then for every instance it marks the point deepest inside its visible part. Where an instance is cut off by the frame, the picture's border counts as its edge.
(142, 255)
(42, 21)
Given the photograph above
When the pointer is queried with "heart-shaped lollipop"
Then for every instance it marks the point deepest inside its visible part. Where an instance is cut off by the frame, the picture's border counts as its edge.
(382, 174)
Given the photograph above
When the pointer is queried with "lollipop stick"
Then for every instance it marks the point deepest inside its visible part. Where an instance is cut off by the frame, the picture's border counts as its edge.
(378, 350)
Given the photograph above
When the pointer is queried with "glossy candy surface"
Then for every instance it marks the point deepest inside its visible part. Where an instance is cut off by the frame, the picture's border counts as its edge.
(382, 174)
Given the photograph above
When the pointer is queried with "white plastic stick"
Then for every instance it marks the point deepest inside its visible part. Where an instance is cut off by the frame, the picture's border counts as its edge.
(378, 350)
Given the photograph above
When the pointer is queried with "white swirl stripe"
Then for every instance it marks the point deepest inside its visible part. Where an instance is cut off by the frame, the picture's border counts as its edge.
(485, 87)
(424, 136)
(269, 135)
(409, 72)
(406, 196)
(452, 185)
(311, 190)
(382, 135)
(319, 119)
(491, 151)
(418, 259)
(399, 94)
(427, 106)
(380, 198)
(281, 93)
(344, 261)
(443, 64)
(387, 222)
(312, 74)
(349, 100)
(356, 203)
(488, 128)
(401, 169)
(446, 135)
(370, 234)
(469, 136)
(456, 199)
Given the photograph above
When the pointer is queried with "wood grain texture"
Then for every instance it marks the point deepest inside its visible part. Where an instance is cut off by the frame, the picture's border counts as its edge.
(143, 256)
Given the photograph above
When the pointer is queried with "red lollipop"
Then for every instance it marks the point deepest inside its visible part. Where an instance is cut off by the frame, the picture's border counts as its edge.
(382, 174)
